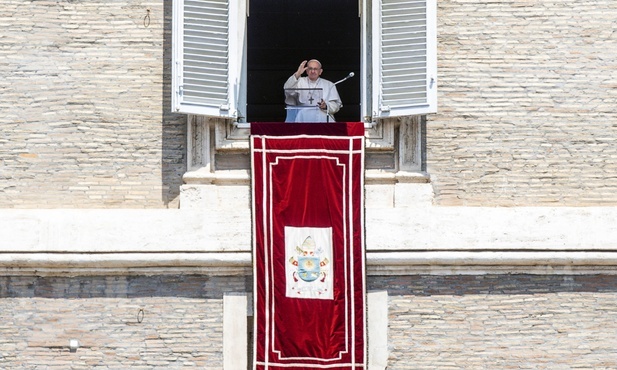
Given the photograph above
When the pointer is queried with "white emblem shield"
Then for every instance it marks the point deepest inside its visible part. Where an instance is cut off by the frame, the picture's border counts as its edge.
(308, 265)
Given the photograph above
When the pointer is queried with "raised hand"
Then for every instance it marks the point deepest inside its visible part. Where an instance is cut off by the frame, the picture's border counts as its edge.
(301, 69)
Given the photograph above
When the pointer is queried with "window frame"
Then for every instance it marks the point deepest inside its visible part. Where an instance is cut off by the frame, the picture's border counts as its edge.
(373, 107)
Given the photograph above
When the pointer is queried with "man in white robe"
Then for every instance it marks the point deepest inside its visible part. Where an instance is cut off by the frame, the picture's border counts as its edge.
(315, 100)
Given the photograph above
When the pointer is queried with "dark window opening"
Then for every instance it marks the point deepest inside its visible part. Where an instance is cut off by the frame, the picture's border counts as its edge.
(283, 33)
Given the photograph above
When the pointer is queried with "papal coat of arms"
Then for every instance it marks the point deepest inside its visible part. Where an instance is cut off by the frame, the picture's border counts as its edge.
(309, 268)
(309, 262)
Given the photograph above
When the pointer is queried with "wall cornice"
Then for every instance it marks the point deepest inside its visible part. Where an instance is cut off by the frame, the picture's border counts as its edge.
(240, 263)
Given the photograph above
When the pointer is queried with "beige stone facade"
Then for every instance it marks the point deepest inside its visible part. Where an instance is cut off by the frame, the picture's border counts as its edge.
(85, 104)
(505, 258)
(435, 322)
(527, 95)
(527, 91)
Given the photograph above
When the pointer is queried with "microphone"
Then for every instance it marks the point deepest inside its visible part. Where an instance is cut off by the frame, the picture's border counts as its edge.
(350, 75)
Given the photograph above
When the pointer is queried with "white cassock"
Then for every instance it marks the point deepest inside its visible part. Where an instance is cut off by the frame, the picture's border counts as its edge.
(303, 104)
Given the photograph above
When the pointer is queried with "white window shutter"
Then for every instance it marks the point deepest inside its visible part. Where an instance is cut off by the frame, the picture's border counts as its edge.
(208, 51)
(404, 58)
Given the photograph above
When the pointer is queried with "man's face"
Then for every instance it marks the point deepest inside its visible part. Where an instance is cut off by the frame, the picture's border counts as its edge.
(313, 71)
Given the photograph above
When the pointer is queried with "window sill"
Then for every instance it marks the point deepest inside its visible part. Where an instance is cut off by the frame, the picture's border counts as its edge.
(375, 177)
(242, 177)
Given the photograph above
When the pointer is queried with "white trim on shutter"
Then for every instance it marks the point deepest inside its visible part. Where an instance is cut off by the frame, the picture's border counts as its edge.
(208, 48)
(404, 58)
(365, 60)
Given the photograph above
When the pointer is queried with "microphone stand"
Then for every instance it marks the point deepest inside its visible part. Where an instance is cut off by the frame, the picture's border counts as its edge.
(350, 75)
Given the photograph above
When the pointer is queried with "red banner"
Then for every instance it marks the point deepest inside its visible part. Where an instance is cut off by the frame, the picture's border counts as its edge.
(308, 243)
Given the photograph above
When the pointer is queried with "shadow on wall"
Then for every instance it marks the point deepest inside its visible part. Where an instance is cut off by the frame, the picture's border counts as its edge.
(505, 284)
(173, 161)
(202, 286)
(122, 286)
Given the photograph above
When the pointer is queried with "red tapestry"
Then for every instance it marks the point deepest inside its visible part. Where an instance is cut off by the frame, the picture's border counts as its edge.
(308, 243)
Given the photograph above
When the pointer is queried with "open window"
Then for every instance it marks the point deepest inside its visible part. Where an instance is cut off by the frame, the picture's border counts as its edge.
(394, 51)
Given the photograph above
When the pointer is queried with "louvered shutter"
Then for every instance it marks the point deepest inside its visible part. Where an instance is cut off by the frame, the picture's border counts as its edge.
(404, 66)
(208, 44)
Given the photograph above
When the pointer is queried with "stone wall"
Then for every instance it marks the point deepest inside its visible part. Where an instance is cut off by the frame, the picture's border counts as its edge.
(501, 321)
(85, 102)
(435, 322)
(527, 91)
(179, 325)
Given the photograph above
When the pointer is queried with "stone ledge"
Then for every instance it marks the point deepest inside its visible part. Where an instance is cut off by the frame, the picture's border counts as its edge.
(228, 177)
(242, 177)
(223, 224)
(372, 177)
(378, 263)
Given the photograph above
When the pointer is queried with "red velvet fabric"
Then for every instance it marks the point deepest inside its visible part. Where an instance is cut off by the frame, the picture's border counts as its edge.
(328, 129)
(308, 182)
